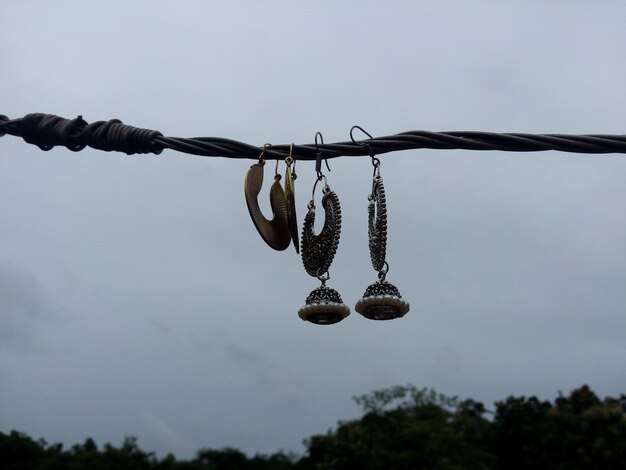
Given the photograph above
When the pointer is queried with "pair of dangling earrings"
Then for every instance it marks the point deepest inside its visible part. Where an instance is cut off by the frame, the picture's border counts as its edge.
(324, 306)
(279, 232)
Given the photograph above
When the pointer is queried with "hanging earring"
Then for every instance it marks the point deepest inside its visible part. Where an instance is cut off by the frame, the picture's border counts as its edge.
(290, 197)
(323, 306)
(275, 232)
(381, 300)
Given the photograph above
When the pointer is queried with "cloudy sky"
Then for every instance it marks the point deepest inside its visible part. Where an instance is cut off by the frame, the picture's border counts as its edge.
(136, 297)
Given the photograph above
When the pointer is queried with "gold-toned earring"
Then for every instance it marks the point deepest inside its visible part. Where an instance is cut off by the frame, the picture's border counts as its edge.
(290, 196)
(381, 300)
(323, 306)
(275, 232)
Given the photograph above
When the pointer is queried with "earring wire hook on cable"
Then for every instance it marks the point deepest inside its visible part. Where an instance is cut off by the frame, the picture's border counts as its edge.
(291, 160)
(365, 145)
(318, 165)
(318, 155)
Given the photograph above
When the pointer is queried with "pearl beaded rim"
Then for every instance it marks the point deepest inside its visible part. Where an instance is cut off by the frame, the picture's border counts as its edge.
(382, 300)
(319, 307)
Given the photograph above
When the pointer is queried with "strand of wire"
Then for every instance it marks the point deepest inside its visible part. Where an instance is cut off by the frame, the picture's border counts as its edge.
(48, 131)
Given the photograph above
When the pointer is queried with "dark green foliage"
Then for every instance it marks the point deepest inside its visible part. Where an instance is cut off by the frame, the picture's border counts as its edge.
(402, 428)
(577, 432)
(406, 428)
(20, 452)
(409, 428)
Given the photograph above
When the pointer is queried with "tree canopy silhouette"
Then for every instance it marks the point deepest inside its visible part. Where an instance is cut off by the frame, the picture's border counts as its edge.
(402, 427)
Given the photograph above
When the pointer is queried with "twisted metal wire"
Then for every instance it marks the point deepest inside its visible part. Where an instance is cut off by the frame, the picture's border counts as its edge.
(48, 131)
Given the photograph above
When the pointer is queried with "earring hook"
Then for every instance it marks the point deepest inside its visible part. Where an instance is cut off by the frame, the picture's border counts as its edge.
(318, 167)
(265, 147)
(362, 130)
(365, 145)
(318, 156)
(291, 160)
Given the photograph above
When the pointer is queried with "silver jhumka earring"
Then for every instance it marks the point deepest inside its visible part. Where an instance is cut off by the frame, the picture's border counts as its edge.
(323, 306)
(381, 300)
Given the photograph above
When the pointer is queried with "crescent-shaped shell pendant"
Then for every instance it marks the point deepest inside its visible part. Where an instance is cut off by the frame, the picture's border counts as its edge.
(275, 232)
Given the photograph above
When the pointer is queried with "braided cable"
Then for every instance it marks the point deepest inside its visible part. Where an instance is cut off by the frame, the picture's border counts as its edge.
(48, 131)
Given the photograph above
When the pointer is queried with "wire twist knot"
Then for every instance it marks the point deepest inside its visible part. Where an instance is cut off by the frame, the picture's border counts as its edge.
(48, 131)
(3, 119)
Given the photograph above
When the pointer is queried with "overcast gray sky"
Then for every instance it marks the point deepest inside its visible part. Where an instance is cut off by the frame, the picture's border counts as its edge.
(136, 297)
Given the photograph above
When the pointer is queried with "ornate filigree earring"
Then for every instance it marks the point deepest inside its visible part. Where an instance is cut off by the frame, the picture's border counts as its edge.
(276, 231)
(381, 300)
(323, 306)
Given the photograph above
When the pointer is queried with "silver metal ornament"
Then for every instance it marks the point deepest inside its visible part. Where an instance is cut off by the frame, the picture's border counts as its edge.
(318, 251)
(324, 306)
(377, 224)
(381, 300)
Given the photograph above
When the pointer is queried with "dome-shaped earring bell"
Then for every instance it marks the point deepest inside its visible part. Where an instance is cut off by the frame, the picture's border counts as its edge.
(382, 301)
(324, 306)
